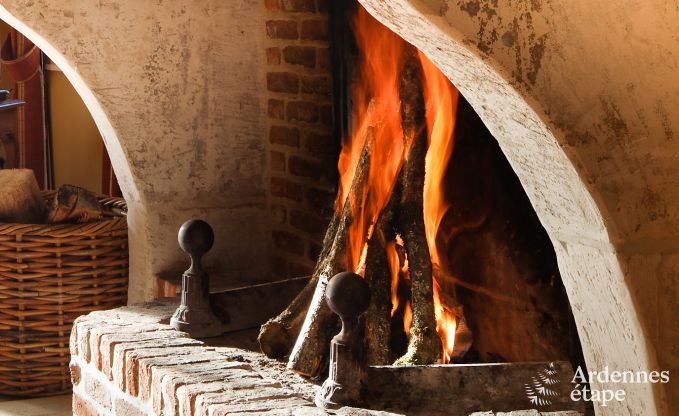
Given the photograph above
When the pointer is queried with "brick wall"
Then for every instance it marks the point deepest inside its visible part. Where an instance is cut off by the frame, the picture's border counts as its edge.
(126, 362)
(303, 151)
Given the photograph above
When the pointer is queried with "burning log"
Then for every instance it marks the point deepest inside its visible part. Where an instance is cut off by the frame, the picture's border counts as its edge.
(378, 278)
(393, 155)
(311, 346)
(425, 345)
(277, 336)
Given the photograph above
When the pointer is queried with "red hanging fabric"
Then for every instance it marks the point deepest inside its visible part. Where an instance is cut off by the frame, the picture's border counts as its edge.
(21, 58)
(109, 182)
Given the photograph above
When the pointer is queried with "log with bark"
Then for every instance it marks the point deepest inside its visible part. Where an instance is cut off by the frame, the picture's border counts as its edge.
(304, 329)
(309, 318)
(425, 345)
(312, 345)
(378, 278)
(278, 335)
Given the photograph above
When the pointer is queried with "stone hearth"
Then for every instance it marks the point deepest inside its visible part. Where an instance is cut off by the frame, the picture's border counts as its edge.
(129, 361)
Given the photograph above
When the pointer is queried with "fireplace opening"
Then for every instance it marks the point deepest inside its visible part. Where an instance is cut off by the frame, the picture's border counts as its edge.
(430, 213)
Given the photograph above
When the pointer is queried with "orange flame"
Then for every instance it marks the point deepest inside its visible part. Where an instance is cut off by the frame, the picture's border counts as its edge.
(441, 100)
(394, 263)
(407, 318)
(377, 117)
(376, 106)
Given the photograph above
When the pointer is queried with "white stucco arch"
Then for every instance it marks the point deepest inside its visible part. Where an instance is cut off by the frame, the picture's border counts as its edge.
(610, 321)
(152, 75)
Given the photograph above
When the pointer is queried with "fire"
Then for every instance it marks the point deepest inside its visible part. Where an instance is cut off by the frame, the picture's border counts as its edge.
(379, 62)
(441, 100)
(377, 118)
(394, 265)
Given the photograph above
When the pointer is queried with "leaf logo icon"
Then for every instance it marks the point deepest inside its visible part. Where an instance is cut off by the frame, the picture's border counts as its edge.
(538, 390)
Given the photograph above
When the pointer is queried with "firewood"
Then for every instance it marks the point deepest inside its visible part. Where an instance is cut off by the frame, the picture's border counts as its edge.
(20, 198)
(378, 278)
(312, 345)
(277, 336)
(74, 204)
(425, 345)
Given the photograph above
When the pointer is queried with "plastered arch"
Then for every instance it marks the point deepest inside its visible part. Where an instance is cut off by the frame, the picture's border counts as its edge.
(119, 161)
(575, 216)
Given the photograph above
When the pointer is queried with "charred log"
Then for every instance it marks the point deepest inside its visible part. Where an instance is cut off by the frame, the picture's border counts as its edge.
(311, 347)
(378, 278)
(425, 345)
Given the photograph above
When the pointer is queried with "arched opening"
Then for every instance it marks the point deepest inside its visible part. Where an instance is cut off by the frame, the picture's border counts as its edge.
(59, 63)
(140, 288)
(603, 307)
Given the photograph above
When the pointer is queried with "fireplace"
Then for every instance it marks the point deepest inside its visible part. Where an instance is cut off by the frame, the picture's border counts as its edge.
(430, 213)
(544, 81)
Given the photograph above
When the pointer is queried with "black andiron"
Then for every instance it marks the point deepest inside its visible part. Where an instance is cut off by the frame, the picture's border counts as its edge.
(348, 296)
(194, 315)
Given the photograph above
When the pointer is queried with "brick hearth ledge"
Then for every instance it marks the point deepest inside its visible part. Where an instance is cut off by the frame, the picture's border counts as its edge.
(129, 361)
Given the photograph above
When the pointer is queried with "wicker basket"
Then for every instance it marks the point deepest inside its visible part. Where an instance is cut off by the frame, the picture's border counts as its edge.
(50, 275)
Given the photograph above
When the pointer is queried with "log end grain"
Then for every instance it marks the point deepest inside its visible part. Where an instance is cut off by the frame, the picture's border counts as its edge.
(20, 197)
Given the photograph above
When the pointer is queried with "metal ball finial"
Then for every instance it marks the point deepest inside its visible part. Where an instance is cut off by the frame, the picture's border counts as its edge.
(348, 295)
(194, 314)
(196, 237)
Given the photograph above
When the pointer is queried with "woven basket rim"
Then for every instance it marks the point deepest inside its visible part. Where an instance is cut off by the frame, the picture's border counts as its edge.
(117, 222)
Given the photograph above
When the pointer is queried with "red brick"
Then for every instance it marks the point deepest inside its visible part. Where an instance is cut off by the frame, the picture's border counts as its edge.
(300, 55)
(287, 136)
(279, 214)
(73, 339)
(149, 366)
(99, 335)
(255, 401)
(284, 188)
(320, 144)
(273, 56)
(109, 341)
(82, 407)
(276, 109)
(321, 200)
(323, 58)
(186, 395)
(281, 29)
(277, 161)
(314, 29)
(307, 222)
(74, 369)
(316, 85)
(83, 333)
(271, 4)
(305, 168)
(282, 82)
(288, 242)
(325, 112)
(95, 333)
(98, 391)
(123, 407)
(166, 383)
(299, 5)
(303, 111)
(169, 346)
(133, 365)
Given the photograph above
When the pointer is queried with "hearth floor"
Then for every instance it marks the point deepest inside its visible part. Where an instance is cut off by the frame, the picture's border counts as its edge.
(45, 406)
(130, 361)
